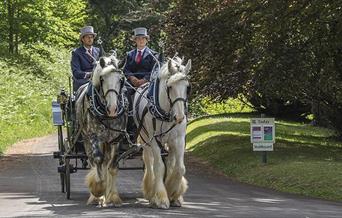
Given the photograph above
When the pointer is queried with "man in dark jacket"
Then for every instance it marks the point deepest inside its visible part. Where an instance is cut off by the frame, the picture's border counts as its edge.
(84, 58)
(141, 60)
(139, 65)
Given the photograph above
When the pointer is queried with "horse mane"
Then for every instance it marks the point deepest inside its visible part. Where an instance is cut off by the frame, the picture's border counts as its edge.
(110, 64)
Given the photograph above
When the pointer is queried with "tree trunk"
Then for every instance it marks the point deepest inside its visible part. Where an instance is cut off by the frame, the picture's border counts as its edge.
(10, 14)
(17, 31)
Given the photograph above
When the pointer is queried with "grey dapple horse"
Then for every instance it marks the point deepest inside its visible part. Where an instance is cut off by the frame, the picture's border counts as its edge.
(101, 116)
(160, 115)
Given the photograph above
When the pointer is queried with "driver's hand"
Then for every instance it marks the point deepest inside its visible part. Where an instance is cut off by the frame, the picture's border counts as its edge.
(87, 75)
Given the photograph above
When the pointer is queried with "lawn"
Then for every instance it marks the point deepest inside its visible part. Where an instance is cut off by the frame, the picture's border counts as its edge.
(306, 160)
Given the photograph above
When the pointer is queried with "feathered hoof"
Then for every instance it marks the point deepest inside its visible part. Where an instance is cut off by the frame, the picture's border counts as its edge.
(92, 200)
(175, 203)
(115, 200)
(160, 202)
(164, 205)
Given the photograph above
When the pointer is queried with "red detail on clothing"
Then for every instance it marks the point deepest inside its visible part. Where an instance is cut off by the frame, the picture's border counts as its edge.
(139, 57)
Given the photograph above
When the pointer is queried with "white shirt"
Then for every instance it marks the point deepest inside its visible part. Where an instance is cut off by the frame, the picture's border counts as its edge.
(87, 49)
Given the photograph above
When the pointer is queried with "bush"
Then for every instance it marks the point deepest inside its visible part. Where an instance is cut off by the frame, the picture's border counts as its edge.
(25, 106)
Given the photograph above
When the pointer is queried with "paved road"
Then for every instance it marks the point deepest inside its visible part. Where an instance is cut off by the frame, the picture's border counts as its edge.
(29, 186)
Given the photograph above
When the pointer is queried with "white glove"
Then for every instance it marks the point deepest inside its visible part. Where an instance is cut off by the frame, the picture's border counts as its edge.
(87, 75)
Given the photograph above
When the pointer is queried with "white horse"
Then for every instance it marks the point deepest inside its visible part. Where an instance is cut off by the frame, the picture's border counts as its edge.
(101, 117)
(160, 115)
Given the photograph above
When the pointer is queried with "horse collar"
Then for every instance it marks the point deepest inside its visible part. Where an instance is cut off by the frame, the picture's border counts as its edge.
(154, 107)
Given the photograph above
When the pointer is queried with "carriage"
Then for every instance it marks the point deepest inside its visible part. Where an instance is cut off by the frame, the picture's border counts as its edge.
(159, 111)
(71, 154)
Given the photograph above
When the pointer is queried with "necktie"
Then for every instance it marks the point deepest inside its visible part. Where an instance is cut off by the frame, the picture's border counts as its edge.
(138, 59)
(89, 55)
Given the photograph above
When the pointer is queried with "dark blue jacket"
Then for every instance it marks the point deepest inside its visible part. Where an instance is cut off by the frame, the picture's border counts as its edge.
(81, 63)
(144, 68)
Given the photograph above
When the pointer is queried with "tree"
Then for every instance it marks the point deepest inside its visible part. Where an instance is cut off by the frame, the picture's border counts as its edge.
(282, 55)
(48, 21)
(115, 20)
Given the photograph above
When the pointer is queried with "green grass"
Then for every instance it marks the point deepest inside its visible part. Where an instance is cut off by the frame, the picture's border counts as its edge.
(306, 160)
(27, 86)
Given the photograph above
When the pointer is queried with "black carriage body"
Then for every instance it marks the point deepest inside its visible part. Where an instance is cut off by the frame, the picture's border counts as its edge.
(71, 153)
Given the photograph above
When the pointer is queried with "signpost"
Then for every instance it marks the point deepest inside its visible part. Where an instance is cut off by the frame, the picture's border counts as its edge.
(263, 135)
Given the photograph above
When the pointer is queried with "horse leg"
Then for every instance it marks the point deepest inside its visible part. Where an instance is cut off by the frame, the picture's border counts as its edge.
(96, 188)
(160, 198)
(112, 194)
(175, 183)
(148, 180)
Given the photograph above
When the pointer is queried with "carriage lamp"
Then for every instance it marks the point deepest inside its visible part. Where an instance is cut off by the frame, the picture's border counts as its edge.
(57, 114)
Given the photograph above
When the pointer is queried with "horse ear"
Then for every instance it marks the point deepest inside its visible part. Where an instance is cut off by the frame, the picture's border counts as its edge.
(171, 68)
(113, 52)
(116, 63)
(121, 63)
(187, 67)
(102, 62)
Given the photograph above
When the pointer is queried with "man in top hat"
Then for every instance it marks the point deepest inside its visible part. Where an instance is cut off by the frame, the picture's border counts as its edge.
(84, 58)
(139, 65)
(141, 60)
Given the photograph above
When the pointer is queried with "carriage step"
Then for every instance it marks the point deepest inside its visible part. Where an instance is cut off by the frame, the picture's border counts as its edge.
(57, 154)
(61, 169)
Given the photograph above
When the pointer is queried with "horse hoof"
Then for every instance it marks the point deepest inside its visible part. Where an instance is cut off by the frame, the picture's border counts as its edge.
(164, 205)
(107, 205)
(175, 203)
(117, 204)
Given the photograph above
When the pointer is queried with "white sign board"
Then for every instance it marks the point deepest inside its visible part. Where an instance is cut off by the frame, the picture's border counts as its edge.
(262, 146)
(262, 134)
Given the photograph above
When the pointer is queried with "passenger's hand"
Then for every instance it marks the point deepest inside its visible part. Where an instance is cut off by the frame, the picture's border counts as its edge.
(134, 81)
(141, 82)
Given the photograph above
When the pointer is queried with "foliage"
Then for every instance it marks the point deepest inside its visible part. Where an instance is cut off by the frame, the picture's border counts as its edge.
(306, 160)
(284, 56)
(50, 22)
(25, 97)
(115, 20)
(206, 106)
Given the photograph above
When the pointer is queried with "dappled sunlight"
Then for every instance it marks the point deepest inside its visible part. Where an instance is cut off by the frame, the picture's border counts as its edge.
(211, 120)
(267, 200)
(210, 134)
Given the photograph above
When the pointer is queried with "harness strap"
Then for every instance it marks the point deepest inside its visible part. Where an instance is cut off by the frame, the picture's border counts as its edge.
(160, 146)
(141, 125)
(140, 119)
(106, 126)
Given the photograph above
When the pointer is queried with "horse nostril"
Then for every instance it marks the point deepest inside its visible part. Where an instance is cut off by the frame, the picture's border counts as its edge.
(178, 119)
(111, 110)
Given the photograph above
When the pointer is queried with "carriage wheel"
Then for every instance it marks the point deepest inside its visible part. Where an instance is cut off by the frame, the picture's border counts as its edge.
(61, 150)
(67, 178)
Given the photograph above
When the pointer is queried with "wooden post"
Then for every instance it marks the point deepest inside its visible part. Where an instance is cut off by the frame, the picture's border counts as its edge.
(264, 153)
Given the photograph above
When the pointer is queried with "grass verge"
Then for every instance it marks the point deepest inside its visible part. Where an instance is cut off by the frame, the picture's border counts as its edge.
(28, 84)
(306, 160)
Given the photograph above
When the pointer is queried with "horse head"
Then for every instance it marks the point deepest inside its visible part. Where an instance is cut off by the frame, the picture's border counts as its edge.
(108, 81)
(177, 86)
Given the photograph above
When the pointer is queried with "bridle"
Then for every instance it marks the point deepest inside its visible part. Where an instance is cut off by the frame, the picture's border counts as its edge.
(99, 108)
(117, 93)
(173, 102)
